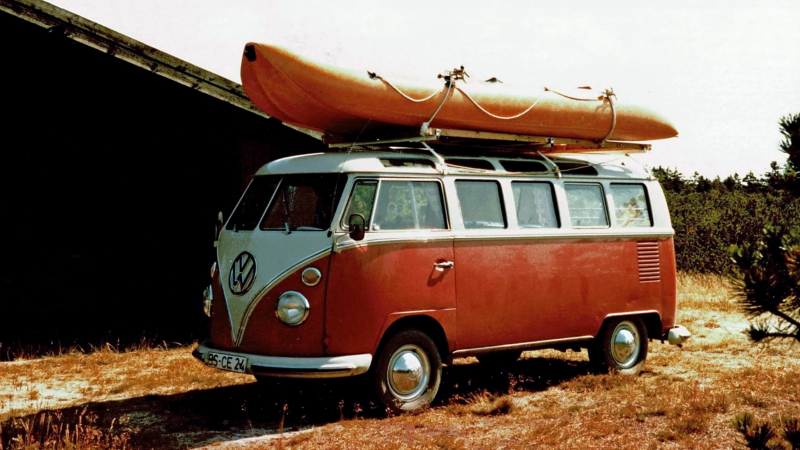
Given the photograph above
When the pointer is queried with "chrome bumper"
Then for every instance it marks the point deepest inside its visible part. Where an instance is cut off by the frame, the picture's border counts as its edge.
(280, 366)
(677, 335)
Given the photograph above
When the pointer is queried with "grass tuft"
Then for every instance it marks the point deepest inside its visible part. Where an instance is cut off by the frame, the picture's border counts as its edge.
(481, 403)
(52, 431)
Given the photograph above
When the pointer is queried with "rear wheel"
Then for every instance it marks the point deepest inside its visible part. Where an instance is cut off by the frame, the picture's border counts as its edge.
(499, 359)
(408, 371)
(621, 346)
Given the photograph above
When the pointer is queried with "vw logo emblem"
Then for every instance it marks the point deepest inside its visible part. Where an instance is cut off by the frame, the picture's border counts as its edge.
(243, 273)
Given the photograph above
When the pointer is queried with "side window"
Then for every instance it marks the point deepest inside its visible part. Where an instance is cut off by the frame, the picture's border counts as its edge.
(630, 205)
(253, 203)
(362, 199)
(586, 205)
(534, 205)
(481, 204)
(409, 205)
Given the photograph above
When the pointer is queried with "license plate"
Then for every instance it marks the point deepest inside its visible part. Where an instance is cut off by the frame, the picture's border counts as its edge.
(226, 362)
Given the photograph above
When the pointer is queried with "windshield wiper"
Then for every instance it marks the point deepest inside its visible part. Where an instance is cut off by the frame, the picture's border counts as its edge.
(286, 210)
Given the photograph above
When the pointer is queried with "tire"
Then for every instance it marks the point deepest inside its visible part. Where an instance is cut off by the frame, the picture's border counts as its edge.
(499, 359)
(408, 372)
(621, 346)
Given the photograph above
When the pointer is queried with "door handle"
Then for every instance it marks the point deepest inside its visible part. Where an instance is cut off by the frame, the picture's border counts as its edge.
(443, 265)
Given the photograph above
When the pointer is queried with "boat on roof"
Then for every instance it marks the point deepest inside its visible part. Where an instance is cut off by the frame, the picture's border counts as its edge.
(343, 102)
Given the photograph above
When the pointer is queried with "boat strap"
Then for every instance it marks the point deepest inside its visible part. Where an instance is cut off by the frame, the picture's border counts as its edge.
(609, 94)
(425, 125)
(442, 165)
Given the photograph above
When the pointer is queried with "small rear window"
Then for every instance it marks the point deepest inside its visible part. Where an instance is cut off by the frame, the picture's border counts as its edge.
(481, 164)
(523, 166)
(575, 168)
(407, 162)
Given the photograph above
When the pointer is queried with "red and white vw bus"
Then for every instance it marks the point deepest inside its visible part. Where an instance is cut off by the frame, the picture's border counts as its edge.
(393, 263)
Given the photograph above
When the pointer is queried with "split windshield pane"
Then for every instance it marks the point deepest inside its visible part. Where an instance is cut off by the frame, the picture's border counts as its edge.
(253, 204)
(304, 203)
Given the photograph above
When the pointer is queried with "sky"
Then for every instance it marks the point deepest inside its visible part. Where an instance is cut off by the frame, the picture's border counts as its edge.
(724, 72)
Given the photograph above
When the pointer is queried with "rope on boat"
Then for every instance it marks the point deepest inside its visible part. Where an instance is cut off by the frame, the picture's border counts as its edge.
(494, 115)
(546, 89)
(457, 74)
(375, 76)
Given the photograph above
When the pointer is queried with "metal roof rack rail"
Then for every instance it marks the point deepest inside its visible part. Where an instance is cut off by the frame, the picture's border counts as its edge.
(486, 140)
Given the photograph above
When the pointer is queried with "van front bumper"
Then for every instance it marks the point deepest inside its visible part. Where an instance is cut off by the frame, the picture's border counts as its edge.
(285, 367)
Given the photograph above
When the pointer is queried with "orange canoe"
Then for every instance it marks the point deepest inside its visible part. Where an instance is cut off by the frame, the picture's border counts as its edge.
(333, 100)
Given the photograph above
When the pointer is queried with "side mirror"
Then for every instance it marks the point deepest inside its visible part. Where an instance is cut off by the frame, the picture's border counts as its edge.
(356, 223)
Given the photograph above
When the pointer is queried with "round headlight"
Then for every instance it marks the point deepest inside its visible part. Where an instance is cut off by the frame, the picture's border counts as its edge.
(292, 308)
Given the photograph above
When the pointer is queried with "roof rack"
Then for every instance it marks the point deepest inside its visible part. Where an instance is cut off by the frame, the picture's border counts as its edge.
(486, 140)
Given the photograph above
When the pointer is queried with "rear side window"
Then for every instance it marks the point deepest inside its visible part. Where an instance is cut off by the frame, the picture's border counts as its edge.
(481, 204)
(586, 205)
(630, 205)
(303, 203)
(254, 203)
(534, 205)
(409, 205)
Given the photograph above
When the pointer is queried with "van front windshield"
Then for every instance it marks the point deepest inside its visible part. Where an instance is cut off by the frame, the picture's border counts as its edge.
(303, 202)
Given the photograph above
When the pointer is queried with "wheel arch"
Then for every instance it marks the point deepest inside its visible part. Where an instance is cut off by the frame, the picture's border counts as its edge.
(422, 322)
(651, 319)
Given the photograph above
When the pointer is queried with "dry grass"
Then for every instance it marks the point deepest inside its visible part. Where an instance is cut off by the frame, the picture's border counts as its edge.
(481, 404)
(52, 431)
(685, 398)
(28, 386)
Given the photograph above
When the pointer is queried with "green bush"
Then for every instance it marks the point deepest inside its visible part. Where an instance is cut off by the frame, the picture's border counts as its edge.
(711, 215)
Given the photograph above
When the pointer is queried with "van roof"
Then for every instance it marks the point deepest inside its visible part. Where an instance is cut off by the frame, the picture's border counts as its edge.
(413, 161)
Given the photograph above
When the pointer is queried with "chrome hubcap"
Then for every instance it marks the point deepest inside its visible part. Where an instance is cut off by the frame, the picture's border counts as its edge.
(409, 372)
(625, 345)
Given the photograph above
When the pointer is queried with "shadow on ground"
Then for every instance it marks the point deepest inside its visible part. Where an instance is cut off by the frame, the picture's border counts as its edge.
(271, 407)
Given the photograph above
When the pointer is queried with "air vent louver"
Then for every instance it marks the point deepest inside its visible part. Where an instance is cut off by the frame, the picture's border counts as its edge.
(649, 262)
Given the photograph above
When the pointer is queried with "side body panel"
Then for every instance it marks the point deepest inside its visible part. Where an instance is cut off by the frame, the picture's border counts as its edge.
(526, 290)
(374, 280)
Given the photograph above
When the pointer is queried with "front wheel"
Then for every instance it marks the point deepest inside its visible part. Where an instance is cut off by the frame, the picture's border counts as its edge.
(408, 371)
(621, 346)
